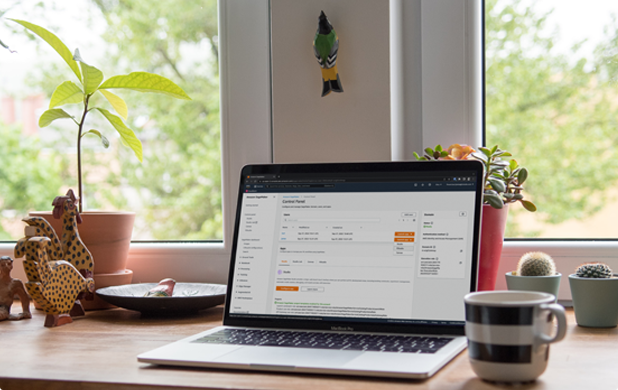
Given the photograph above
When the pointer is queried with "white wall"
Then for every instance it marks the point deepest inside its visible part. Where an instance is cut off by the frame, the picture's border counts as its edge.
(349, 126)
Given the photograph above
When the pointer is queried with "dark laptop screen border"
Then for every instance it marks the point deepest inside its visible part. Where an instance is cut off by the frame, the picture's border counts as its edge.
(347, 177)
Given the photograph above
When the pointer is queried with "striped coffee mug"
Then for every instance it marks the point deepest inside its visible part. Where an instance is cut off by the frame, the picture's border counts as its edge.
(509, 333)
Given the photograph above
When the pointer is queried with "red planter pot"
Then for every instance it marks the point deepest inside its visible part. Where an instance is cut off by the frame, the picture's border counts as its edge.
(493, 225)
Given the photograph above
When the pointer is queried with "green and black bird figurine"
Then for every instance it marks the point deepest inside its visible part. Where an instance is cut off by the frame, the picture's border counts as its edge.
(325, 48)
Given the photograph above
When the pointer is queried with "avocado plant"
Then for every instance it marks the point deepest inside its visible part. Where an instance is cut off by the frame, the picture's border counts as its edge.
(91, 83)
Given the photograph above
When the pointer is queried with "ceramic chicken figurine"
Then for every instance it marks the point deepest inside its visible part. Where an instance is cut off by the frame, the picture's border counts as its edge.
(326, 48)
(57, 284)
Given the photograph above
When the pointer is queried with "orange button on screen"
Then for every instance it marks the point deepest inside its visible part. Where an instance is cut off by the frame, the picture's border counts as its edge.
(287, 288)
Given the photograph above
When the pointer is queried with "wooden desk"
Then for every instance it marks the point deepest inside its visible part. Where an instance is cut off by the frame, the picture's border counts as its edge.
(100, 349)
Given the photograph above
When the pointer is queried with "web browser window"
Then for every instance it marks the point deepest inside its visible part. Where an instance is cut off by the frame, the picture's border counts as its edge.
(367, 247)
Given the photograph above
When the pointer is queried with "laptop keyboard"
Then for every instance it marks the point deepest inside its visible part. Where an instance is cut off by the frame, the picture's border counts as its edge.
(320, 340)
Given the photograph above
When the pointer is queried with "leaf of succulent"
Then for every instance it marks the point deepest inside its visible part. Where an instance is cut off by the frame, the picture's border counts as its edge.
(145, 82)
(51, 115)
(528, 205)
(55, 43)
(104, 140)
(497, 185)
(480, 156)
(126, 134)
(66, 93)
(493, 199)
(487, 152)
(522, 175)
(118, 104)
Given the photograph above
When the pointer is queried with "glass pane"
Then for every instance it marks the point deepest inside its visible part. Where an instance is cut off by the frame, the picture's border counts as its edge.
(551, 100)
(176, 190)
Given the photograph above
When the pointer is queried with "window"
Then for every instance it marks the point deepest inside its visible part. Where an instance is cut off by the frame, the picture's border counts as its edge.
(550, 100)
(428, 111)
(176, 191)
(245, 120)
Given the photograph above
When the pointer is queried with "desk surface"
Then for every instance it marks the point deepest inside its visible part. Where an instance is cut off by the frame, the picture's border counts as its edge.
(101, 349)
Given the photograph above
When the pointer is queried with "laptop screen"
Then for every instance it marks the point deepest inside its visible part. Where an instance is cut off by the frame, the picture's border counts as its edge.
(355, 246)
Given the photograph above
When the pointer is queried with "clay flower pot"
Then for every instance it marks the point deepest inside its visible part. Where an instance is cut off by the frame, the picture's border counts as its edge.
(107, 235)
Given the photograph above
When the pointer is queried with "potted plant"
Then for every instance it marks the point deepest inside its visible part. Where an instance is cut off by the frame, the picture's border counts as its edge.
(107, 235)
(536, 271)
(503, 182)
(594, 289)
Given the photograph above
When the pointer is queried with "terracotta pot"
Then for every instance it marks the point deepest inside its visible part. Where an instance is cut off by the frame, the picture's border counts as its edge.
(493, 225)
(107, 235)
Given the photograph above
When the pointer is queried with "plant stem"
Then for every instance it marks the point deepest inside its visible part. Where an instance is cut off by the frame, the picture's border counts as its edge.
(79, 153)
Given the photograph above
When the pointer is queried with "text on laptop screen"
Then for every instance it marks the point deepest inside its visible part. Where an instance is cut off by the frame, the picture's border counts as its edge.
(388, 247)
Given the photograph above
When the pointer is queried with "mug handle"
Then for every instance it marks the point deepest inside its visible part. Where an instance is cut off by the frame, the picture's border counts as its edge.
(558, 311)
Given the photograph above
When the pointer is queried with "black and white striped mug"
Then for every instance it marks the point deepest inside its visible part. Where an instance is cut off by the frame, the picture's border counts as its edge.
(509, 333)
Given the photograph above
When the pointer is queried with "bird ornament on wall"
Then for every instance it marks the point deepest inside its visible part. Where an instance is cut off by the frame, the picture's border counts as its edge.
(325, 48)
(59, 271)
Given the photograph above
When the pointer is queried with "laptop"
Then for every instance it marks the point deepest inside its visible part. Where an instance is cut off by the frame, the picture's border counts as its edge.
(346, 268)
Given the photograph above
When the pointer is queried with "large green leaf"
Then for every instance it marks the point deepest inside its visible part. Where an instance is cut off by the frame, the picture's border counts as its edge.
(54, 42)
(51, 115)
(92, 78)
(145, 82)
(65, 93)
(116, 101)
(127, 135)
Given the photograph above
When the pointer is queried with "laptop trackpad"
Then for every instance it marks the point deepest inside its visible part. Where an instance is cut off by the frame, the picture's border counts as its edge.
(288, 357)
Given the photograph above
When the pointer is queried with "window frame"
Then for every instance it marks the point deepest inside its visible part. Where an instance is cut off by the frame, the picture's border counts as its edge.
(246, 123)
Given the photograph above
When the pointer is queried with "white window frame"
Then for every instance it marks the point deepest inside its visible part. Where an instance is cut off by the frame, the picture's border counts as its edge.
(436, 98)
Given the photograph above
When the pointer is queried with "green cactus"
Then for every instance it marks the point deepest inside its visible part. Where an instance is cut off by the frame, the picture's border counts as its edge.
(536, 264)
(594, 270)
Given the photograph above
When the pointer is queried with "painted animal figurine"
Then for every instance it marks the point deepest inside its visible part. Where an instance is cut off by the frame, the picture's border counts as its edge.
(165, 288)
(57, 284)
(325, 49)
(10, 287)
(71, 247)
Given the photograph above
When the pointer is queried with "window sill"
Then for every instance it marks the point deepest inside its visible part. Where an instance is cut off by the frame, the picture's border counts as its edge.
(151, 262)
(209, 262)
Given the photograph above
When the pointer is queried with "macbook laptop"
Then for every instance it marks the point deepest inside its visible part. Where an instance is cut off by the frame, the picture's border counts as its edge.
(352, 268)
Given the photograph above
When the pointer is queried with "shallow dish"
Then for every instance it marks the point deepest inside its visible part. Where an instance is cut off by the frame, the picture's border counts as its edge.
(186, 298)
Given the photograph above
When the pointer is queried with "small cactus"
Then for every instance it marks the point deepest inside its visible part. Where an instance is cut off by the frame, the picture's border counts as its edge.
(536, 264)
(594, 270)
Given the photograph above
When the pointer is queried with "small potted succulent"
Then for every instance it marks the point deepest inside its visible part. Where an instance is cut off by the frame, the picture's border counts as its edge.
(594, 289)
(503, 184)
(536, 271)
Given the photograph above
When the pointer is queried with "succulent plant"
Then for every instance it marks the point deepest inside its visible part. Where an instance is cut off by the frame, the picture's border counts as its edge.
(503, 179)
(536, 264)
(594, 270)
